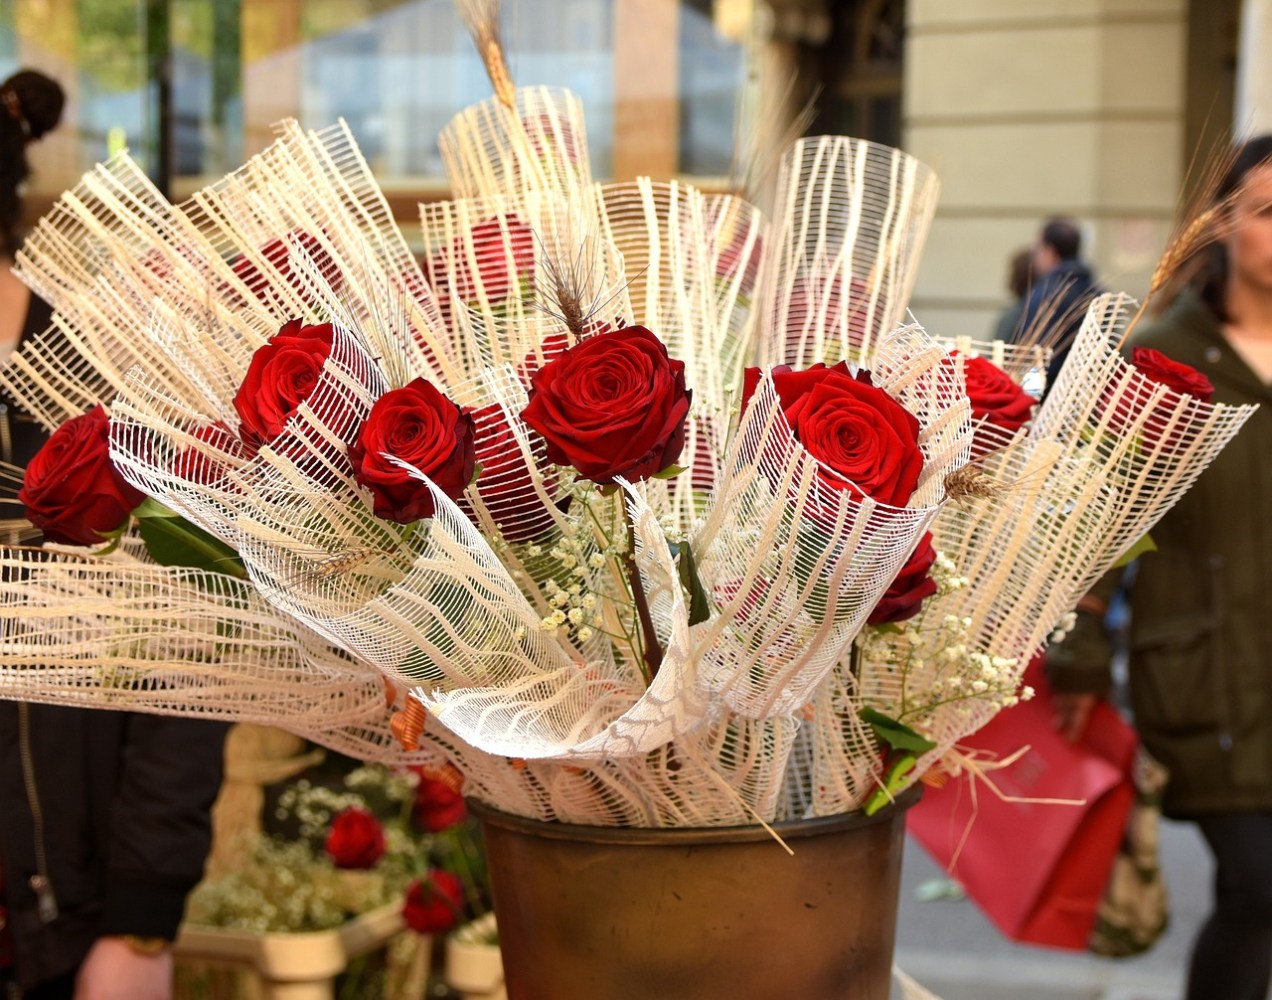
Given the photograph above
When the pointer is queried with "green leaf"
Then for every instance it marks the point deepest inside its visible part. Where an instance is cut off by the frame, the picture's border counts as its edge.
(699, 603)
(1145, 544)
(670, 472)
(171, 540)
(893, 734)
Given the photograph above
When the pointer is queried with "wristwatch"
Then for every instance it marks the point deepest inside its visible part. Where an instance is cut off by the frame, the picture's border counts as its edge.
(146, 945)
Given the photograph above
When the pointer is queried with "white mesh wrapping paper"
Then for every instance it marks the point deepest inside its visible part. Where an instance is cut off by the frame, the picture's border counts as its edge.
(850, 219)
(540, 144)
(754, 710)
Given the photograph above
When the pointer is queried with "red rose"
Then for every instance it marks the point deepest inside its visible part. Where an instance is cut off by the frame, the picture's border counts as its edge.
(355, 840)
(1181, 378)
(912, 585)
(71, 490)
(439, 804)
(504, 483)
(816, 303)
(493, 257)
(850, 426)
(612, 405)
(278, 253)
(279, 378)
(999, 406)
(418, 425)
(433, 904)
(206, 462)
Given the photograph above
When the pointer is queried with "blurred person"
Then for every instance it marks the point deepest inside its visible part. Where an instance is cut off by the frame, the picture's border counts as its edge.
(1200, 630)
(104, 815)
(1063, 288)
(1019, 281)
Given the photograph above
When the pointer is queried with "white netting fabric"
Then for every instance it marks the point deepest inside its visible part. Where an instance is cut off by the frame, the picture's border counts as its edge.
(850, 221)
(512, 613)
(540, 144)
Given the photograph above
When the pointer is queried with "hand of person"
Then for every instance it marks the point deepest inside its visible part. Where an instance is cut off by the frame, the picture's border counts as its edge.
(1071, 712)
(112, 970)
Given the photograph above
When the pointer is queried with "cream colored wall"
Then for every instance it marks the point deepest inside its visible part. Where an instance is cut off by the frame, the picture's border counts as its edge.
(1033, 108)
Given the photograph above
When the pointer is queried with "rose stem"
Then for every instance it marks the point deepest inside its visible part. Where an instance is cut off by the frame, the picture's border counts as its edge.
(652, 651)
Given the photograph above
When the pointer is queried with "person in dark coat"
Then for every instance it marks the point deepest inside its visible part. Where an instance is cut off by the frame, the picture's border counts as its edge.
(1063, 288)
(105, 818)
(1200, 634)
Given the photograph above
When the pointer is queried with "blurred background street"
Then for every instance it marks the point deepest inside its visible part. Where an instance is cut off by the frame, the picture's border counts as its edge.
(951, 949)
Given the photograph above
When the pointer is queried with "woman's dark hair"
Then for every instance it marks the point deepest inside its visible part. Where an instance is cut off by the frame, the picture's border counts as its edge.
(1212, 277)
(1020, 272)
(30, 105)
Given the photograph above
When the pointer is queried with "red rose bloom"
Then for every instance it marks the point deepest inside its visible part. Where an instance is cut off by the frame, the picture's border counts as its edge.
(493, 257)
(433, 904)
(71, 490)
(999, 406)
(1181, 378)
(612, 405)
(912, 585)
(202, 465)
(504, 483)
(995, 398)
(355, 840)
(279, 378)
(439, 804)
(418, 425)
(852, 427)
(278, 253)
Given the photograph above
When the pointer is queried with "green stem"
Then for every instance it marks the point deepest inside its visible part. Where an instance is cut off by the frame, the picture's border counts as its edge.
(651, 650)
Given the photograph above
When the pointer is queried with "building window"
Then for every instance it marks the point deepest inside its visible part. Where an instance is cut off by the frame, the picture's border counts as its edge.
(192, 87)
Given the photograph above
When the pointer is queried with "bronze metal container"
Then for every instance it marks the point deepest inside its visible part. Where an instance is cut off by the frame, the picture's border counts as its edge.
(602, 913)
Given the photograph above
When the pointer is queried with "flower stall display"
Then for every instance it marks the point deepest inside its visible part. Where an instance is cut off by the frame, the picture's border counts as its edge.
(389, 848)
(639, 509)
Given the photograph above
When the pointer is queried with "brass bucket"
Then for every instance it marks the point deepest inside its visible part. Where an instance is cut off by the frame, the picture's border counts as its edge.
(605, 913)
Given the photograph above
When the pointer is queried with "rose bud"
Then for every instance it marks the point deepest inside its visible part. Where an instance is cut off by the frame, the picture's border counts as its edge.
(71, 490)
(433, 904)
(280, 377)
(852, 427)
(905, 596)
(420, 426)
(613, 405)
(355, 840)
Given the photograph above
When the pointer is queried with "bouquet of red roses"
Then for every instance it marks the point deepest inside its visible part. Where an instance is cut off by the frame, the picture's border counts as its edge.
(533, 498)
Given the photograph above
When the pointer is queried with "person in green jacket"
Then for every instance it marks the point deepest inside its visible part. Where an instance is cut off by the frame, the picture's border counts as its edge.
(1200, 636)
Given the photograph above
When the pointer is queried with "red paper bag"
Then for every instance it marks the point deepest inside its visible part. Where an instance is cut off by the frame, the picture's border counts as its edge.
(1038, 871)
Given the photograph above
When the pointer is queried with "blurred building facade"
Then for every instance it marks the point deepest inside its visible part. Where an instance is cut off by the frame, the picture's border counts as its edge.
(1025, 108)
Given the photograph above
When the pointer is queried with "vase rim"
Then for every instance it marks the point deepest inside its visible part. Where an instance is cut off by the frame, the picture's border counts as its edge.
(663, 836)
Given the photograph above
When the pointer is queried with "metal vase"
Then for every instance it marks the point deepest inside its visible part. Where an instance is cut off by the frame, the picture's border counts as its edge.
(604, 913)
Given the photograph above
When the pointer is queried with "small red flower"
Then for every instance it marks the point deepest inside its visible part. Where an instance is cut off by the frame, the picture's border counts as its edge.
(434, 903)
(201, 463)
(355, 840)
(439, 804)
